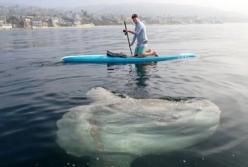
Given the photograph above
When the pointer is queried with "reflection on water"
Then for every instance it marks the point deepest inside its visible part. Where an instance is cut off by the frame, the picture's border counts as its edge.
(142, 70)
(136, 76)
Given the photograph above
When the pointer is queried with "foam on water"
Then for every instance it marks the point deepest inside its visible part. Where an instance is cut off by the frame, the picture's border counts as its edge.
(118, 129)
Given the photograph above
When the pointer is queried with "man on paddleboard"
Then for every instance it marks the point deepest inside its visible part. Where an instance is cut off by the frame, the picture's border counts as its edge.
(140, 35)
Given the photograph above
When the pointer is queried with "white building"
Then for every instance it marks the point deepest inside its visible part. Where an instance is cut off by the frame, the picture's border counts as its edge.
(6, 26)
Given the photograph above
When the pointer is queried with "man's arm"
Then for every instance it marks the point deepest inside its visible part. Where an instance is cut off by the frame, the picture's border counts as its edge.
(133, 32)
(130, 31)
(134, 39)
(137, 31)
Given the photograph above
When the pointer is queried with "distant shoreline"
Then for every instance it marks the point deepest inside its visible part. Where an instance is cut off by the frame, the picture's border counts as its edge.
(95, 26)
(45, 28)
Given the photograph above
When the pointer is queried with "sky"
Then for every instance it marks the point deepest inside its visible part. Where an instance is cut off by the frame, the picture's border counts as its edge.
(239, 6)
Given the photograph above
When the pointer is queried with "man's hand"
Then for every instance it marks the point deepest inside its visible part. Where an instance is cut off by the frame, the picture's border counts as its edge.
(125, 31)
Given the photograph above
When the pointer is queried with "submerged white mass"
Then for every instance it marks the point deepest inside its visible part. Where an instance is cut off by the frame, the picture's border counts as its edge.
(115, 130)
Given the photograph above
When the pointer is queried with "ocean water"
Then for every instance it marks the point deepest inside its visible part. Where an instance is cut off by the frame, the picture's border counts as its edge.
(37, 89)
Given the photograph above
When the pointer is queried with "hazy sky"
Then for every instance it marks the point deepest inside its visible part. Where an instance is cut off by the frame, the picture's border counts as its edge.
(240, 6)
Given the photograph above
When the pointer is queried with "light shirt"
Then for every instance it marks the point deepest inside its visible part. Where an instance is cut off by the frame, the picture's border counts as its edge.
(140, 35)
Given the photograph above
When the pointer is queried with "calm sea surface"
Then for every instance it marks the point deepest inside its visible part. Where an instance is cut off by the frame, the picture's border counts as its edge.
(36, 89)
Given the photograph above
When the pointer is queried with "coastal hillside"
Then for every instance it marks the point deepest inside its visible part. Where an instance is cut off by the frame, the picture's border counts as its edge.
(25, 16)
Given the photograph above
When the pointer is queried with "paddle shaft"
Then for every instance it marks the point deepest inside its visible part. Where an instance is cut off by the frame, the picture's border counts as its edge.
(128, 39)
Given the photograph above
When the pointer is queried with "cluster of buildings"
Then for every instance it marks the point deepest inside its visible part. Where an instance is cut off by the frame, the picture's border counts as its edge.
(4, 24)
(31, 22)
(77, 20)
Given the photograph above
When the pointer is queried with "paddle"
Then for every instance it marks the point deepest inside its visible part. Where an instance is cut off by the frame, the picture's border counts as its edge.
(126, 33)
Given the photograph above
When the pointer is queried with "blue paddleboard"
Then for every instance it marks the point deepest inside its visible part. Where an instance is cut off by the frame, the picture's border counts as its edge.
(103, 59)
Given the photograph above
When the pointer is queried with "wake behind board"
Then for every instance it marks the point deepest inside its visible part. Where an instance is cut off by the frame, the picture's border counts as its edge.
(103, 59)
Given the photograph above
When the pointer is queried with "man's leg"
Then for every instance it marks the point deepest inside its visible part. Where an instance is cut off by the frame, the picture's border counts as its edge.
(150, 53)
(142, 52)
(136, 52)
